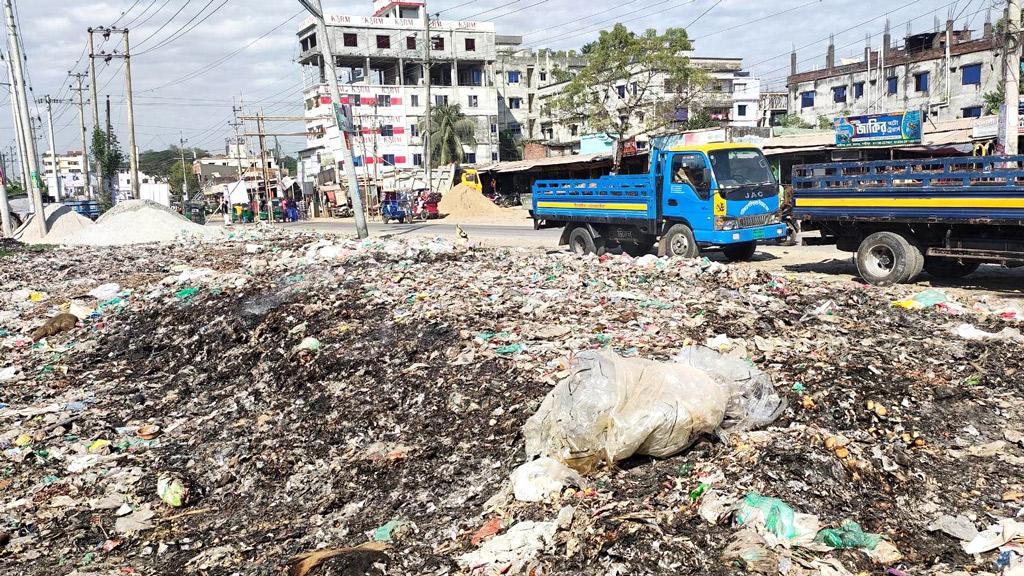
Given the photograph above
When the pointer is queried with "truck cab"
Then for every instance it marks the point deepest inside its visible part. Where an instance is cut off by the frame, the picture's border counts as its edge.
(693, 197)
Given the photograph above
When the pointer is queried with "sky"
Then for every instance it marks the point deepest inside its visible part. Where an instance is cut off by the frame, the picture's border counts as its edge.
(194, 59)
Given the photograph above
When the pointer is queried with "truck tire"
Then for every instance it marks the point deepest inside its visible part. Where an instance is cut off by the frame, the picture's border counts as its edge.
(582, 242)
(886, 258)
(679, 241)
(949, 269)
(918, 265)
(739, 252)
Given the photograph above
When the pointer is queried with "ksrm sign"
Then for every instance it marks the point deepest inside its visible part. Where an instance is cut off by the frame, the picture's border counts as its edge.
(878, 129)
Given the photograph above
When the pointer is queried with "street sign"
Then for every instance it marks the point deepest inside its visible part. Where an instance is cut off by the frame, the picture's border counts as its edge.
(890, 129)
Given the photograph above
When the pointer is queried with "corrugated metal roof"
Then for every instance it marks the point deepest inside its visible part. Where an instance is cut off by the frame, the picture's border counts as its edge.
(959, 131)
(521, 165)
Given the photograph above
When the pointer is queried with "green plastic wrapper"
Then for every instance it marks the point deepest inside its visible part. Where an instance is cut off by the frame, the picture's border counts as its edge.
(848, 535)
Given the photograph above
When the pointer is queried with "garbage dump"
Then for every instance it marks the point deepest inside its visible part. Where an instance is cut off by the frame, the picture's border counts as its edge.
(292, 403)
(610, 408)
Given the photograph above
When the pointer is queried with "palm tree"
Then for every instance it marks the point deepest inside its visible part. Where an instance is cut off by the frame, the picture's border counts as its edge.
(450, 130)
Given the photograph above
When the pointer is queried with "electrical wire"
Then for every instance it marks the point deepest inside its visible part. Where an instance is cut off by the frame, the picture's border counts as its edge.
(125, 13)
(182, 31)
(150, 17)
(702, 14)
(164, 25)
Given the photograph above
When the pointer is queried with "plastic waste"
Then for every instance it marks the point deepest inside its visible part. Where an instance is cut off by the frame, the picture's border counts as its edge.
(926, 299)
(771, 515)
(172, 490)
(391, 530)
(185, 293)
(959, 527)
(971, 332)
(994, 536)
(308, 343)
(848, 535)
(511, 551)
(610, 408)
(536, 480)
(105, 291)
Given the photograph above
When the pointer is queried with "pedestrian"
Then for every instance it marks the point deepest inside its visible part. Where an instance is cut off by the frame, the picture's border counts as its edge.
(225, 208)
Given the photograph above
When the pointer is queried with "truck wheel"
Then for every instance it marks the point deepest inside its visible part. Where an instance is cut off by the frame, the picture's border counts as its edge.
(886, 258)
(582, 242)
(951, 269)
(679, 241)
(918, 264)
(739, 252)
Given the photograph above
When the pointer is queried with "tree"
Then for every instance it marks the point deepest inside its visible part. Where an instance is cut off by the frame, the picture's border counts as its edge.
(174, 180)
(792, 121)
(509, 146)
(107, 161)
(159, 162)
(291, 164)
(700, 121)
(994, 99)
(450, 131)
(631, 85)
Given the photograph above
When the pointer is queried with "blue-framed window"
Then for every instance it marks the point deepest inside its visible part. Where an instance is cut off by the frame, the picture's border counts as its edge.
(417, 159)
(972, 112)
(858, 90)
(470, 157)
(389, 159)
(515, 103)
(807, 99)
(357, 160)
(921, 82)
(621, 91)
(891, 85)
(970, 74)
(513, 76)
(839, 94)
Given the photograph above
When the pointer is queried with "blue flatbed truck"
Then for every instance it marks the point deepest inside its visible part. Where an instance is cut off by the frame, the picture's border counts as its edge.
(693, 197)
(944, 216)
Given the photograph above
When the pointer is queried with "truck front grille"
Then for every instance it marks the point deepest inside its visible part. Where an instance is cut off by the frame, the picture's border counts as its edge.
(753, 221)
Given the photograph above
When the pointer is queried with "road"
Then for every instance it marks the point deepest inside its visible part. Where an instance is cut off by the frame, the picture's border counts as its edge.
(479, 233)
(822, 262)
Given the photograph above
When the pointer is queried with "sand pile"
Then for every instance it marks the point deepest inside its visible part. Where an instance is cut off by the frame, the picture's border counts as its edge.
(464, 203)
(140, 222)
(61, 221)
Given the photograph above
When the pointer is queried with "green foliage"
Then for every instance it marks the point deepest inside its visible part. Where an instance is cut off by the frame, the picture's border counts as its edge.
(509, 146)
(174, 180)
(291, 164)
(107, 161)
(994, 99)
(793, 121)
(450, 130)
(640, 65)
(159, 162)
(700, 121)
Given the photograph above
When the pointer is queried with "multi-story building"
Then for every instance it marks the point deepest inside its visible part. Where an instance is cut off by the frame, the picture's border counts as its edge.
(944, 73)
(381, 79)
(71, 166)
(731, 97)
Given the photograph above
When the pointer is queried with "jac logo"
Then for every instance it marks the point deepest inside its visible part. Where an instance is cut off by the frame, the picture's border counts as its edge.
(758, 203)
(754, 194)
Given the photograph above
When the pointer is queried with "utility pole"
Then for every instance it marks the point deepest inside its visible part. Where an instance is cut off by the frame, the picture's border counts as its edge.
(85, 149)
(19, 135)
(133, 153)
(5, 209)
(53, 146)
(1011, 76)
(314, 8)
(92, 81)
(14, 48)
(426, 77)
(263, 161)
(184, 173)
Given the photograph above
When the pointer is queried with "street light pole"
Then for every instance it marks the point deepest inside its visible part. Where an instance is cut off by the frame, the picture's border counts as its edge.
(314, 8)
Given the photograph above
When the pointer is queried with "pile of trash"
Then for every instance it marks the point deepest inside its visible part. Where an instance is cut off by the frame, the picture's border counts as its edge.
(281, 401)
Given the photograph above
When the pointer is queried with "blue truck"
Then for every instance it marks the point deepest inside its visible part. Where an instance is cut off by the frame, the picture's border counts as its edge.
(693, 197)
(944, 216)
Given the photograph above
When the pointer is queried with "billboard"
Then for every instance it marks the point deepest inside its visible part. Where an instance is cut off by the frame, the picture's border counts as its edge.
(891, 129)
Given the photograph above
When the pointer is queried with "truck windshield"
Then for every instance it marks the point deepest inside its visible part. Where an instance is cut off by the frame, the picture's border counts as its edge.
(740, 168)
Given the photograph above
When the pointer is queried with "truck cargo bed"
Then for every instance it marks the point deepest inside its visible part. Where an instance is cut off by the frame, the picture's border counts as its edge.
(973, 190)
(607, 199)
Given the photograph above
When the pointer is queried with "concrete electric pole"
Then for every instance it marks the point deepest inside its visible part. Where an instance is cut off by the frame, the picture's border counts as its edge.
(19, 136)
(133, 152)
(85, 148)
(14, 48)
(184, 173)
(58, 185)
(314, 8)
(1011, 77)
(427, 119)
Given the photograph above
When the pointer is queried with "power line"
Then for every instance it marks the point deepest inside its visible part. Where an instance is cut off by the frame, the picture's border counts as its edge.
(600, 25)
(701, 15)
(763, 18)
(139, 15)
(179, 33)
(164, 25)
(125, 13)
(150, 17)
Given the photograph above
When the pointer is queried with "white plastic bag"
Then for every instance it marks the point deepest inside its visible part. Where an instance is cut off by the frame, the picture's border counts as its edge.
(610, 408)
(536, 479)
